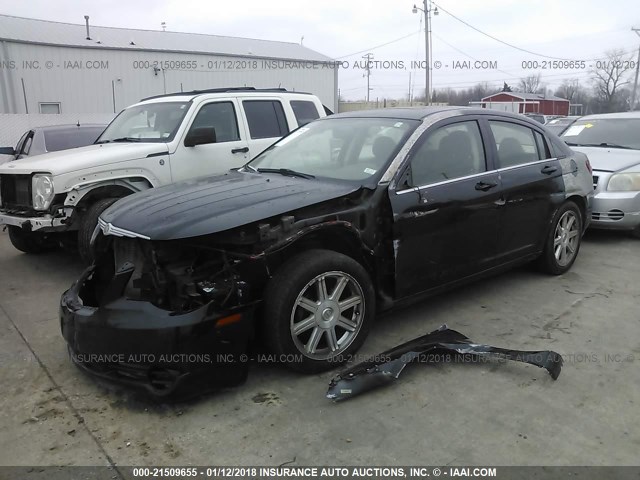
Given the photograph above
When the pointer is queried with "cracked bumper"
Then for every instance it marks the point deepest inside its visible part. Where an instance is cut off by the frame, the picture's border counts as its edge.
(138, 344)
(45, 222)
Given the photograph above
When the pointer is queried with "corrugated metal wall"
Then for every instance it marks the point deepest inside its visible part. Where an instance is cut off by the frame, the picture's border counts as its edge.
(104, 81)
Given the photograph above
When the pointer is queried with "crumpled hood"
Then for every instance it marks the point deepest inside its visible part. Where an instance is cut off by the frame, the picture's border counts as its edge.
(76, 159)
(214, 204)
(611, 159)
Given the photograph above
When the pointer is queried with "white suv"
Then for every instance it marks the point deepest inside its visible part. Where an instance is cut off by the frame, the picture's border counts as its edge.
(58, 197)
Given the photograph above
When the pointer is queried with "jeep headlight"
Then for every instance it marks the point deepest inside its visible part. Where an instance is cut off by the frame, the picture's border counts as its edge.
(42, 190)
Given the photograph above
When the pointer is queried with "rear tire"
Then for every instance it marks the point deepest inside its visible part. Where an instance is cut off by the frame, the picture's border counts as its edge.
(563, 241)
(319, 307)
(88, 224)
(30, 242)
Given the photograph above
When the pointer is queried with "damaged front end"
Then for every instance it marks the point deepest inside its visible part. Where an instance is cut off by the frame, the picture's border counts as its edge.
(158, 314)
(387, 367)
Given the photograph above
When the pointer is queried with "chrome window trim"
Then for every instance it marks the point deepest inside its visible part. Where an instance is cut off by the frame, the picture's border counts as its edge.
(528, 164)
(444, 182)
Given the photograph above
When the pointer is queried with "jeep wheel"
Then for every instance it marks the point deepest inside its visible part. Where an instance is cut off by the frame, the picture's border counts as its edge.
(88, 223)
(30, 242)
(319, 308)
(563, 242)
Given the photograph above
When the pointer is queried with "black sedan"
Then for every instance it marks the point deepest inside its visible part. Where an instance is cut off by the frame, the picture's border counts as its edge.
(299, 249)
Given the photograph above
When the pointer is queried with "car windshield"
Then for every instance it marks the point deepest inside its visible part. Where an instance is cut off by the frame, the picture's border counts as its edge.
(63, 139)
(605, 132)
(558, 125)
(353, 149)
(151, 122)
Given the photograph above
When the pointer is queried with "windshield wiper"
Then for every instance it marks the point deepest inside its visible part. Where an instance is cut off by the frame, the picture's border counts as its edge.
(603, 144)
(122, 139)
(249, 167)
(285, 171)
(126, 139)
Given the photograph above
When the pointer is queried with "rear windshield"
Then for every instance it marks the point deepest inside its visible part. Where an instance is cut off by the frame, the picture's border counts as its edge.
(56, 140)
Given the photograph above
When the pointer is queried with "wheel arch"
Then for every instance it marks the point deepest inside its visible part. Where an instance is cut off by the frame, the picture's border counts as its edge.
(582, 206)
(340, 237)
(87, 194)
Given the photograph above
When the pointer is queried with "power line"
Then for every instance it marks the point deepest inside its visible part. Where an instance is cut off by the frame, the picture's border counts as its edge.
(497, 39)
(379, 46)
(467, 55)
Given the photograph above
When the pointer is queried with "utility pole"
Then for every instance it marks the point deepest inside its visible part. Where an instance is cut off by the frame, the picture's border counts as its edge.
(427, 45)
(427, 50)
(368, 57)
(410, 104)
(635, 83)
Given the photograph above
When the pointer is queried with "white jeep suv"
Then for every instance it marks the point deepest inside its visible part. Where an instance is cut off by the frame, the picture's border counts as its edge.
(58, 197)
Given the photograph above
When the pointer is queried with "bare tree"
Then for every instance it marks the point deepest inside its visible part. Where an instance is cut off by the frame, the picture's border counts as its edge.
(530, 84)
(481, 90)
(608, 79)
(569, 89)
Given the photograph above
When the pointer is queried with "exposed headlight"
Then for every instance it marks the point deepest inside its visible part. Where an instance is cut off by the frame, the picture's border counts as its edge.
(624, 182)
(42, 191)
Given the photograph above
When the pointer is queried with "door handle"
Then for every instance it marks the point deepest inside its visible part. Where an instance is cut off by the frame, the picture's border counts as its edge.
(548, 169)
(240, 150)
(484, 186)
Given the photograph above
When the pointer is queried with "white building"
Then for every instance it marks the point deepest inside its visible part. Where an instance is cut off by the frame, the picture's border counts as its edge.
(51, 67)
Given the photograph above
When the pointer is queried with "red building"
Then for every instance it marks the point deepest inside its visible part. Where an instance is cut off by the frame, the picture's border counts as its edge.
(526, 103)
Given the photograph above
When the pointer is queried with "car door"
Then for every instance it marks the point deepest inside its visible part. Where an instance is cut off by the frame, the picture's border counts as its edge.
(530, 178)
(230, 149)
(445, 207)
(266, 122)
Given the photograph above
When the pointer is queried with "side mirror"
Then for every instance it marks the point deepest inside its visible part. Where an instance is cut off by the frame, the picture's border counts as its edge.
(7, 151)
(200, 136)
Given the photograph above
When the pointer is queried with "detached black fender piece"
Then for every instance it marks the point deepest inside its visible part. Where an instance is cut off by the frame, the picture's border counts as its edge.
(386, 367)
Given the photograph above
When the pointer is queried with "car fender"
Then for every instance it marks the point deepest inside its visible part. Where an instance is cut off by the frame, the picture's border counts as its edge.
(133, 181)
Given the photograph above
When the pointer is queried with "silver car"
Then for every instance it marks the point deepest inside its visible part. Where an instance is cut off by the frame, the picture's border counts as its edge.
(612, 143)
(560, 124)
(53, 138)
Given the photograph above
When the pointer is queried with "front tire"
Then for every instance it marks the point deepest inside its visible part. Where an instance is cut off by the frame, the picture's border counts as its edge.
(30, 242)
(319, 307)
(563, 242)
(87, 225)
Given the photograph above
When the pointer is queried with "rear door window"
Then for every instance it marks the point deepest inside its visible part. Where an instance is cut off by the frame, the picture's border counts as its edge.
(266, 118)
(304, 111)
(543, 149)
(516, 144)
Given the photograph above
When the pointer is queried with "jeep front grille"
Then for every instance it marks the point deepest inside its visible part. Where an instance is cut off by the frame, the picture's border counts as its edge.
(15, 191)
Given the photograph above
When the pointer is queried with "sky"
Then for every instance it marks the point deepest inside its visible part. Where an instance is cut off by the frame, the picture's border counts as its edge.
(346, 30)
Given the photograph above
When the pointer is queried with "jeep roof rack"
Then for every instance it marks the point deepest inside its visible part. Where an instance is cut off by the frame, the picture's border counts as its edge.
(221, 90)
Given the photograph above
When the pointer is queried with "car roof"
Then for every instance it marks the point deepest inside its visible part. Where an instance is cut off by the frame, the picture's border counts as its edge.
(618, 115)
(420, 113)
(71, 126)
(187, 96)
